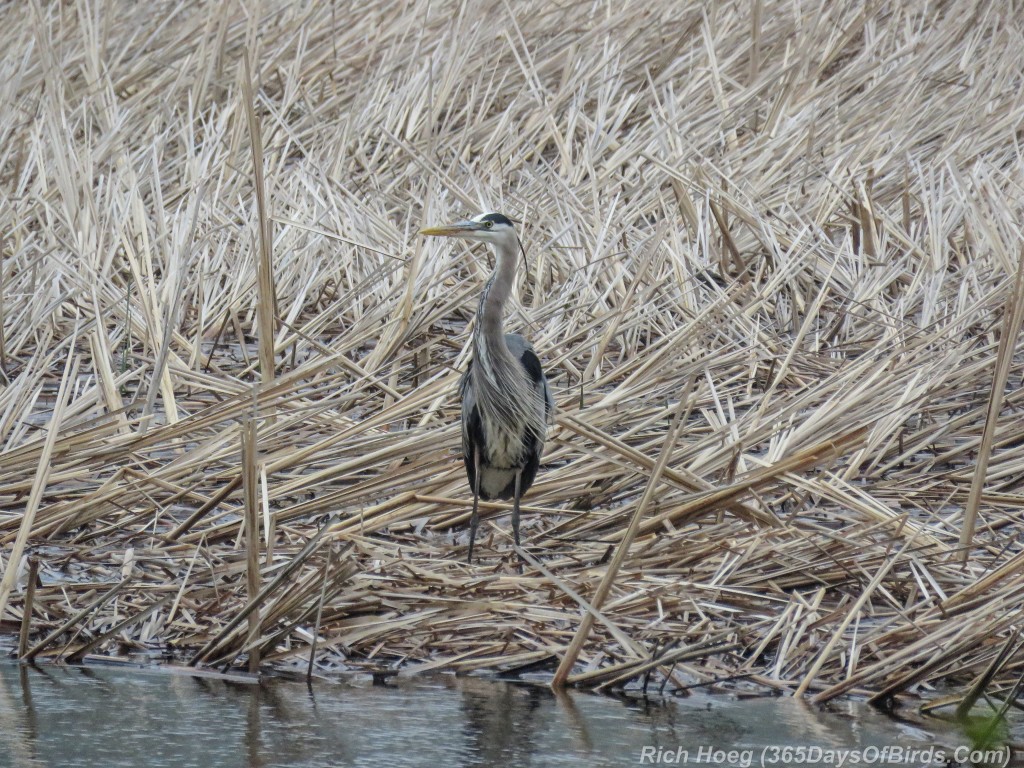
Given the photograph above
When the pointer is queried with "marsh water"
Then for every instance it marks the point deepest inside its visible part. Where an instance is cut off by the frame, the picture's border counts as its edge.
(100, 716)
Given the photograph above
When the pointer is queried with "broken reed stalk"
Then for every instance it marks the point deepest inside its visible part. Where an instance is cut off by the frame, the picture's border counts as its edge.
(300, 610)
(937, 660)
(976, 691)
(620, 637)
(126, 622)
(39, 647)
(319, 615)
(42, 474)
(266, 298)
(583, 631)
(215, 644)
(852, 613)
(212, 503)
(250, 490)
(1013, 314)
(620, 674)
(26, 616)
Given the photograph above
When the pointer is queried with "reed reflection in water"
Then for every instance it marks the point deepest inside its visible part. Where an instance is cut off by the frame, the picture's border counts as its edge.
(99, 716)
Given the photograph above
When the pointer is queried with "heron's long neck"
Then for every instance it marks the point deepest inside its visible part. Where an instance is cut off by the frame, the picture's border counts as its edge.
(492, 303)
(505, 393)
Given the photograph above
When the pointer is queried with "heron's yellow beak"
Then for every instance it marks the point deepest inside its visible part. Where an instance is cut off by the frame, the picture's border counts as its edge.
(451, 230)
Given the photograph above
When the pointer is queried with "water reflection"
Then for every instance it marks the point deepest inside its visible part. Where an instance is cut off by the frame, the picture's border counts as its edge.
(61, 716)
(18, 724)
(503, 725)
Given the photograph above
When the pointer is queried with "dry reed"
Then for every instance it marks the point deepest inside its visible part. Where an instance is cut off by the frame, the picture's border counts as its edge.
(803, 219)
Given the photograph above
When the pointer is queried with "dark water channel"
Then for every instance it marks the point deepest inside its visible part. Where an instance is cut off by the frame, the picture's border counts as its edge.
(98, 716)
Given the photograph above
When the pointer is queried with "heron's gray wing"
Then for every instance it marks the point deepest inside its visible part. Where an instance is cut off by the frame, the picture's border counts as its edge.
(523, 351)
(468, 398)
(517, 344)
(549, 401)
(472, 429)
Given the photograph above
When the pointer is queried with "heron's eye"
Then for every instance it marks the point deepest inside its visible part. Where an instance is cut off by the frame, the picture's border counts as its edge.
(489, 224)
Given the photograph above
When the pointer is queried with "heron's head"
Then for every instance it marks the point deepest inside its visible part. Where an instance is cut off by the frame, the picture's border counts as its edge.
(487, 228)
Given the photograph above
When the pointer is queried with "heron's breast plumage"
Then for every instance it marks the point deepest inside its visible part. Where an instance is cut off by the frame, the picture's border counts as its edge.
(503, 454)
(503, 449)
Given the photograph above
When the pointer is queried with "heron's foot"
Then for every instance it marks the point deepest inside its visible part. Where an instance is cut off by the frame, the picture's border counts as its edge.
(519, 564)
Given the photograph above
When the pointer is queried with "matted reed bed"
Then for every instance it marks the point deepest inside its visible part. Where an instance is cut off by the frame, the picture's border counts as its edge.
(774, 261)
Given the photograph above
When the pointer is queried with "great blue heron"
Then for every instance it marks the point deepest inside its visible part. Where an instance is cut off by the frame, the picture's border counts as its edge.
(505, 396)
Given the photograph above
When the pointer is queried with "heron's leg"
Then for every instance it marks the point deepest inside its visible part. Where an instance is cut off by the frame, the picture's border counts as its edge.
(474, 520)
(515, 508)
